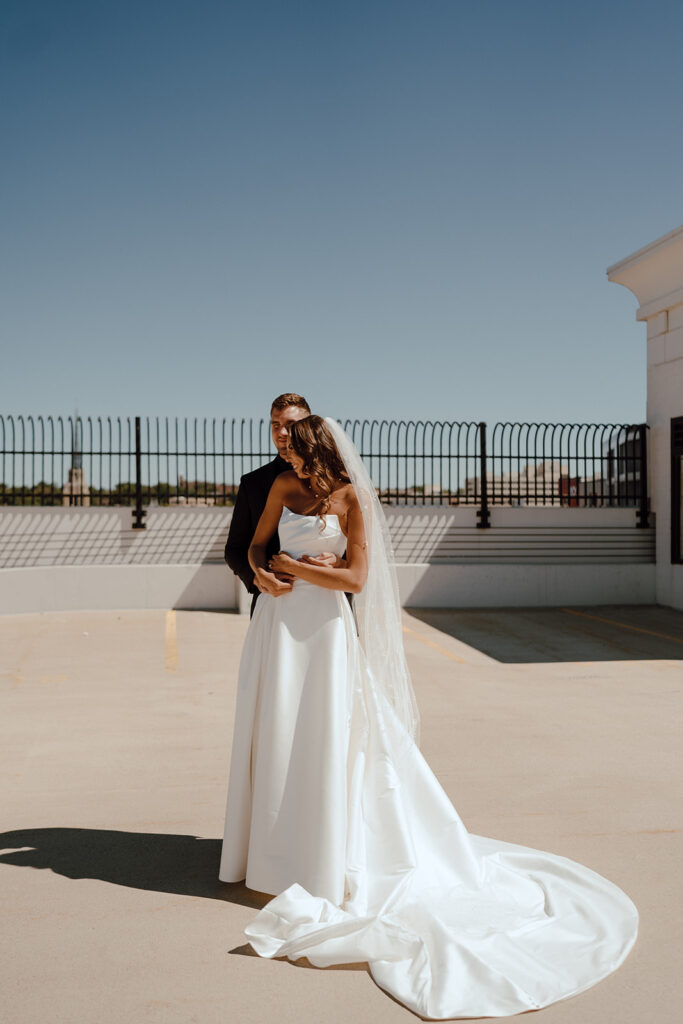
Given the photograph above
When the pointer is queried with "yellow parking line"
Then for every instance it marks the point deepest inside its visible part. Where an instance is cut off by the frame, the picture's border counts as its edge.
(171, 646)
(435, 647)
(623, 625)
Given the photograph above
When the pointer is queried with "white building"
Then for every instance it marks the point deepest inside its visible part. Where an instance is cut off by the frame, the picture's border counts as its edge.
(655, 276)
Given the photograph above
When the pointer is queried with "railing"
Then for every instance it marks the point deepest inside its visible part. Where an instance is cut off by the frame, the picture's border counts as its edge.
(143, 461)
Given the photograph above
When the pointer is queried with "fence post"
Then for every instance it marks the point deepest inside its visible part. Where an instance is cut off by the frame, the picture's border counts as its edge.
(139, 512)
(483, 512)
(642, 513)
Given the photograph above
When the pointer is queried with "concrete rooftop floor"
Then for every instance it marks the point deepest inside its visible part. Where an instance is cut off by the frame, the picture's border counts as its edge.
(555, 728)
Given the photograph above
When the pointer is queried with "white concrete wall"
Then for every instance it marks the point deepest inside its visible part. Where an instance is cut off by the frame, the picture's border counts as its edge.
(60, 588)
(655, 276)
(526, 586)
(91, 558)
(45, 536)
(520, 536)
(35, 537)
(72, 587)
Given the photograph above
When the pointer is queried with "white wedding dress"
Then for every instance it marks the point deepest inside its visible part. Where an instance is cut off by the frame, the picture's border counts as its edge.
(333, 810)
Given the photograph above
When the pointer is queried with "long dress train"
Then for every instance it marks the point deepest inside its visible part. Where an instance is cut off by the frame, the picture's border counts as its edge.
(333, 809)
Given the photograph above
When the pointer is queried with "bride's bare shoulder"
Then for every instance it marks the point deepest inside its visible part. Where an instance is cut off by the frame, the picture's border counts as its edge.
(346, 496)
(285, 479)
(287, 483)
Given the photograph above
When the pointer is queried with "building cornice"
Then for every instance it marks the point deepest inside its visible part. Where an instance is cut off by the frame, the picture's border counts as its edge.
(654, 274)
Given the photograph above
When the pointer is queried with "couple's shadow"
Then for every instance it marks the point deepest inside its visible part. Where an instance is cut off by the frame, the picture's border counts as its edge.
(185, 865)
(182, 865)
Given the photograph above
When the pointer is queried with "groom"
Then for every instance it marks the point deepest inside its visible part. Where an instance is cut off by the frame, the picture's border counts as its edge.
(251, 501)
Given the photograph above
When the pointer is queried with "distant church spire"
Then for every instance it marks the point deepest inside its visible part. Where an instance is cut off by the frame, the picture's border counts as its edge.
(76, 491)
(76, 443)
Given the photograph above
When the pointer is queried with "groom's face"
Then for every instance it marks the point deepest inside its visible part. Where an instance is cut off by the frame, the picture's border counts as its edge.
(280, 422)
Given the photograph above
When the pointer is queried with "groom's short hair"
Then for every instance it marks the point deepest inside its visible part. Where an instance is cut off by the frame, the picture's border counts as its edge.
(284, 402)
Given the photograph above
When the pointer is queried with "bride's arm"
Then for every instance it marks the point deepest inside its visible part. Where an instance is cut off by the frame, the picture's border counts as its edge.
(267, 525)
(350, 577)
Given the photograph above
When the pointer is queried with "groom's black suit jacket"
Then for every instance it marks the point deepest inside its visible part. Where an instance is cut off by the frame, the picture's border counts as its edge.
(250, 502)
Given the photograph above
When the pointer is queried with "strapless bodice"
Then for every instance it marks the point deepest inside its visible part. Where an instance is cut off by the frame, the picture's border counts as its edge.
(303, 535)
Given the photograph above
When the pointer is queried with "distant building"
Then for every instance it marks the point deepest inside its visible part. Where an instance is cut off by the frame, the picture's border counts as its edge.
(654, 274)
(541, 483)
(194, 498)
(623, 467)
(181, 499)
(76, 490)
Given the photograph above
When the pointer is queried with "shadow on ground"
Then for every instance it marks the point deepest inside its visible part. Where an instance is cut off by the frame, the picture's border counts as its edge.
(523, 635)
(184, 865)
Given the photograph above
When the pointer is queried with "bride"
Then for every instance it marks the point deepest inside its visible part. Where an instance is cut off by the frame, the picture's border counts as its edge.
(332, 809)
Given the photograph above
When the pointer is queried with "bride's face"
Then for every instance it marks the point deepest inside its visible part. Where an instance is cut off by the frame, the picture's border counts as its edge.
(295, 461)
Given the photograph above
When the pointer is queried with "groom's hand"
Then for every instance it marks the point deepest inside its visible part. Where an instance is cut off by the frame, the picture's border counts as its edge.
(281, 571)
(282, 564)
(284, 577)
(268, 583)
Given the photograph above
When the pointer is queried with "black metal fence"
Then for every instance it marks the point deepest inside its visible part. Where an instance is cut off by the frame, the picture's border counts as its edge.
(146, 461)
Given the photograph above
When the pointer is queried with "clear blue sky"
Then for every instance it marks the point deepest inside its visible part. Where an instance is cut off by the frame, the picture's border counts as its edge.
(400, 209)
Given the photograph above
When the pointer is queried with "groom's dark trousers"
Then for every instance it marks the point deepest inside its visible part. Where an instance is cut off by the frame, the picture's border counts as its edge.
(250, 502)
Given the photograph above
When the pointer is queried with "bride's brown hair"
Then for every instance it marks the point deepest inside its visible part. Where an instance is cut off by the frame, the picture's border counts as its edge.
(312, 441)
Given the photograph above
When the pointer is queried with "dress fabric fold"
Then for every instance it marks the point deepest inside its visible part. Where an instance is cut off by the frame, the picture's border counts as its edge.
(333, 810)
